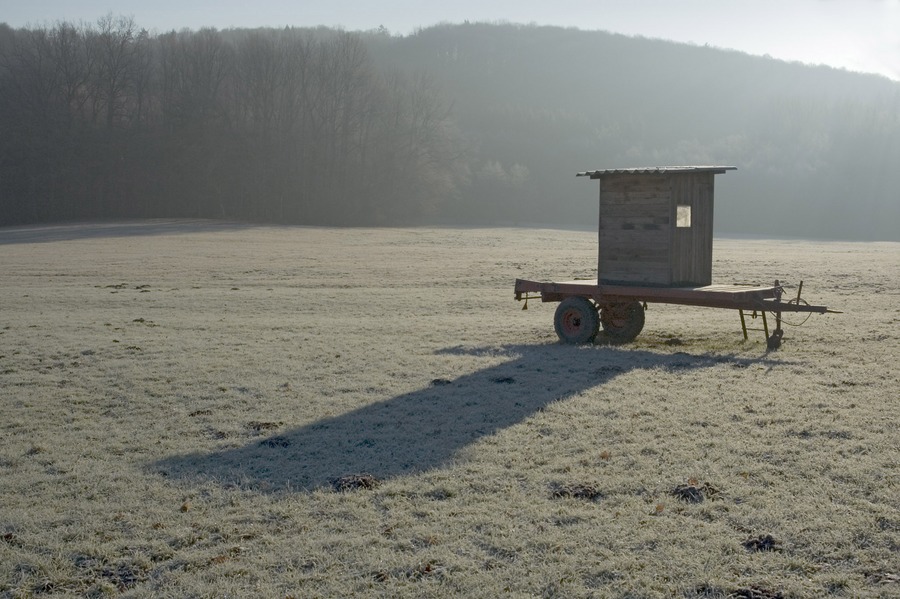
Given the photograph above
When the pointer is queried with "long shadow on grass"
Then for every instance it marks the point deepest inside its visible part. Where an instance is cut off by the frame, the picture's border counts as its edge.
(426, 428)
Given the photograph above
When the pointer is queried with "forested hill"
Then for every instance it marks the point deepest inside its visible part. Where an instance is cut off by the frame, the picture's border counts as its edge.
(466, 124)
(817, 149)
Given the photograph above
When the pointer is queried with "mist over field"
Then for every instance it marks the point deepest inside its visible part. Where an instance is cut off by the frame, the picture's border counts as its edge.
(475, 124)
(195, 408)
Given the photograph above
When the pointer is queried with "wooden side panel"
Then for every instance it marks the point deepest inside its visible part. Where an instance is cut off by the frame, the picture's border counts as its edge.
(630, 187)
(692, 246)
(620, 273)
(635, 229)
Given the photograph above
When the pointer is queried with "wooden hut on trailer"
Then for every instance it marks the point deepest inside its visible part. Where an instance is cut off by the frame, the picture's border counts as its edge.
(656, 225)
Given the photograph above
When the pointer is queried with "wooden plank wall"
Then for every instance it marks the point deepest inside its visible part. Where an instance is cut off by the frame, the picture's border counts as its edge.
(635, 229)
(692, 246)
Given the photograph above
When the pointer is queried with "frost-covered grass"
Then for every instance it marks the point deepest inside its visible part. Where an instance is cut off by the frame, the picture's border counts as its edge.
(179, 398)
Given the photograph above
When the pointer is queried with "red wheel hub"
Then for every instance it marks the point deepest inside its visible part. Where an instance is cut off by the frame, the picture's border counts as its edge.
(571, 321)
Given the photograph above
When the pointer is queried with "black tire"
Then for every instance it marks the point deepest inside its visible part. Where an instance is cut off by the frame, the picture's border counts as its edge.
(623, 321)
(576, 320)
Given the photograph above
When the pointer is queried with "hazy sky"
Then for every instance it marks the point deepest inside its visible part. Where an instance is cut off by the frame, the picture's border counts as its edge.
(859, 35)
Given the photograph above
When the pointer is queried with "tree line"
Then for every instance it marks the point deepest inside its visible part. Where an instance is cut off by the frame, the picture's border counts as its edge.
(474, 123)
(298, 126)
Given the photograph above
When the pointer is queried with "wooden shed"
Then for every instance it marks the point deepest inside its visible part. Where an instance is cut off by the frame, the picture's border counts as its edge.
(656, 225)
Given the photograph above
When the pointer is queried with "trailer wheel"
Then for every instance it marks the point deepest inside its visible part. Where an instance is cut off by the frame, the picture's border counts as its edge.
(623, 321)
(576, 320)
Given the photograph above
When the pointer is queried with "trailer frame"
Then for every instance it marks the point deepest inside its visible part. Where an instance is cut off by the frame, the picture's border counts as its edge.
(615, 305)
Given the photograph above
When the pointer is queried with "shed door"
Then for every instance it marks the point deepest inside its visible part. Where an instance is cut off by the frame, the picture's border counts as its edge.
(692, 213)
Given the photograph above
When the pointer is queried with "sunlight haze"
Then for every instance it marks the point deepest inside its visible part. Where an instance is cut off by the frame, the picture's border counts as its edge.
(849, 34)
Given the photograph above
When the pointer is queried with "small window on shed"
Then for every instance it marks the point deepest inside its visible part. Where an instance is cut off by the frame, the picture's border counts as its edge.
(683, 216)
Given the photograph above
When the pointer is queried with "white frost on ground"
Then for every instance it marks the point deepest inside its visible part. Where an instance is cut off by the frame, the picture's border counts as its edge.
(177, 399)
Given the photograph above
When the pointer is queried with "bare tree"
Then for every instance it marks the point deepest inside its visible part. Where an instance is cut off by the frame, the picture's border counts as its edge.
(293, 125)
(115, 51)
(30, 95)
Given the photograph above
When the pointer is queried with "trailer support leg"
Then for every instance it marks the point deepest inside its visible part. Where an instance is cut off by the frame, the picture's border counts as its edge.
(765, 328)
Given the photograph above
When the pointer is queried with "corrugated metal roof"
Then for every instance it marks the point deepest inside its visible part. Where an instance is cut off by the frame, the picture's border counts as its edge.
(650, 170)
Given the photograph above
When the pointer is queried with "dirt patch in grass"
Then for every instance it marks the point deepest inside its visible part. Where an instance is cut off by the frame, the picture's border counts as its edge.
(694, 492)
(750, 592)
(276, 442)
(585, 491)
(354, 482)
(259, 427)
(755, 593)
(762, 543)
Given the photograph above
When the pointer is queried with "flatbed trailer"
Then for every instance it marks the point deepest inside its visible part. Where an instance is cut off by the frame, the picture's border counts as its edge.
(586, 305)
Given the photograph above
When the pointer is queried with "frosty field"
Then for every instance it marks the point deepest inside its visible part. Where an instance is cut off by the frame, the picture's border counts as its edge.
(180, 402)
